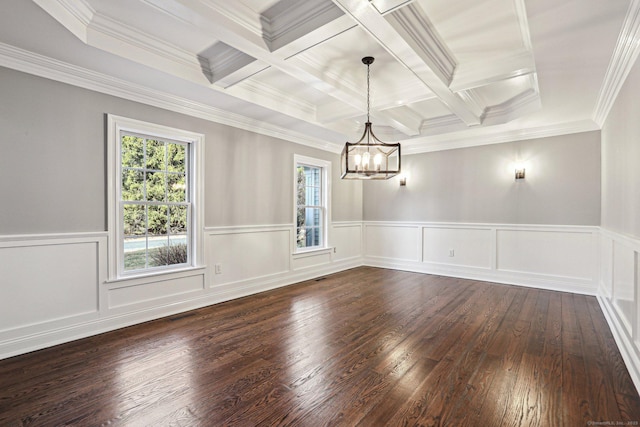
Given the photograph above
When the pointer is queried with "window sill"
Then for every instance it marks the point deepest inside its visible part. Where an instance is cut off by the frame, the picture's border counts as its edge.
(158, 275)
(312, 252)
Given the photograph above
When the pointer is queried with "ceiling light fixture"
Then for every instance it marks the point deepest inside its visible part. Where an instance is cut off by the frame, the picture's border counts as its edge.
(370, 158)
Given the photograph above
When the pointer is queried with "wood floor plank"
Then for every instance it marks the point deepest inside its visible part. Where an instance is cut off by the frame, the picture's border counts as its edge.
(367, 347)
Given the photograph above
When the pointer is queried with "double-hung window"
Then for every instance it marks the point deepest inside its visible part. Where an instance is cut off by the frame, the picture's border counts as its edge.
(311, 186)
(154, 197)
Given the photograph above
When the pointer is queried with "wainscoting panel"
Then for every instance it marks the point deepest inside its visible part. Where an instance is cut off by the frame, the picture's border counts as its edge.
(54, 288)
(47, 279)
(346, 239)
(624, 286)
(457, 246)
(560, 258)
(147, 294)
(243, 253)
(393, 241)
(606, 266)
(619, 295)
(304, 261)
(553, 252)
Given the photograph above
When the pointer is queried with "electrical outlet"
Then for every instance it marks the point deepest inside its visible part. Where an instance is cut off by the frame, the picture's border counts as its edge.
(452, 252)
(218, 268)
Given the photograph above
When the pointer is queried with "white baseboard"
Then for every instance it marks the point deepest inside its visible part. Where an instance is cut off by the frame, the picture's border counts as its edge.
(624, 342)
(539, 281)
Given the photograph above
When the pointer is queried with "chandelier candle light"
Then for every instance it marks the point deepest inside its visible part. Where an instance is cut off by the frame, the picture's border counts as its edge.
(370, 158)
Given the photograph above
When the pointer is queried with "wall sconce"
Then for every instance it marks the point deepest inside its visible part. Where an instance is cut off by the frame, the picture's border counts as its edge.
(519, 171)
(403, 180)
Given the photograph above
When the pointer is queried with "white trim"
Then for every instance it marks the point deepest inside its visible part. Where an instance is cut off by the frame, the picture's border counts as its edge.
(497, 134)
(9, 240)
(326, 175)
(622, 60)
(516, 278)
(625, 334)
(195, 174)
(625, 346)
(487, 226)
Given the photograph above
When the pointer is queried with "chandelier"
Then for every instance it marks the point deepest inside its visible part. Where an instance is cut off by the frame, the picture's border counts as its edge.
(370, 158)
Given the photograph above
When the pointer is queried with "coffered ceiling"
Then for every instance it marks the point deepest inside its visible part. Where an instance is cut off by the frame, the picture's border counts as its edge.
(447, 73)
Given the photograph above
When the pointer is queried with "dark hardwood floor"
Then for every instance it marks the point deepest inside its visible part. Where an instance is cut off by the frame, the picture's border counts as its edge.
(366, 347)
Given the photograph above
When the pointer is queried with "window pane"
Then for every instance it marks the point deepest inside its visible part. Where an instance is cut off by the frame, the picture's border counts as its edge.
(177, 250)
(135, 221)
(312, 236)
(300, 186)
(301, 237)
(176, 155)
(312, 217)
(176, 188)
(177, 220)
(158, 253)
(156, 186)
(132, 185)
(312, 196)
(157, 220)
(132, 151)
(312, 176)
(135, 253)
(156, 155)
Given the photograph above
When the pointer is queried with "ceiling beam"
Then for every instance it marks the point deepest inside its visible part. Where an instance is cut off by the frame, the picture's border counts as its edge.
(217, 20)
(472, 75)
(425, 55)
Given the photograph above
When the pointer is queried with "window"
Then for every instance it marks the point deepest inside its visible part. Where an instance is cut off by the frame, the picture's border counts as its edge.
(154, 203)
(311, 186)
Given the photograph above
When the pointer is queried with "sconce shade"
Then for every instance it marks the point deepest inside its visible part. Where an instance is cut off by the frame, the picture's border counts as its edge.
(520, 173)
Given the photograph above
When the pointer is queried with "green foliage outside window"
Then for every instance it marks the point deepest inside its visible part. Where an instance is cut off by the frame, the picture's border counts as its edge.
(154, 198)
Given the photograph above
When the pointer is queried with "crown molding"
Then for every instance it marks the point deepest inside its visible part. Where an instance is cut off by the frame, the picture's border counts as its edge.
(442, 121)
(75, 15)
(279, 99)
(126, 41)
(42, 66)
(518, 106)
(623, 58)
(493, 135)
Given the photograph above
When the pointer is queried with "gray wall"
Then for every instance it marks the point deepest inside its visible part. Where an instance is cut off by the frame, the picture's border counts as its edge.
(53, 162)
(562, 184)
(621, 160)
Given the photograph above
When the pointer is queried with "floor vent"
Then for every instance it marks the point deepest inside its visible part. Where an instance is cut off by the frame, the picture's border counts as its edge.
(180, 316)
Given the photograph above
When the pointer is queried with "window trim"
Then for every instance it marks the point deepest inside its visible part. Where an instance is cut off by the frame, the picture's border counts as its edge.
(325, 179)
(118, 124)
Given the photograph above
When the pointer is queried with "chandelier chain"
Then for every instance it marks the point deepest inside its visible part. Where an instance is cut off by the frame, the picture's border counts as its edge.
(368, 90)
